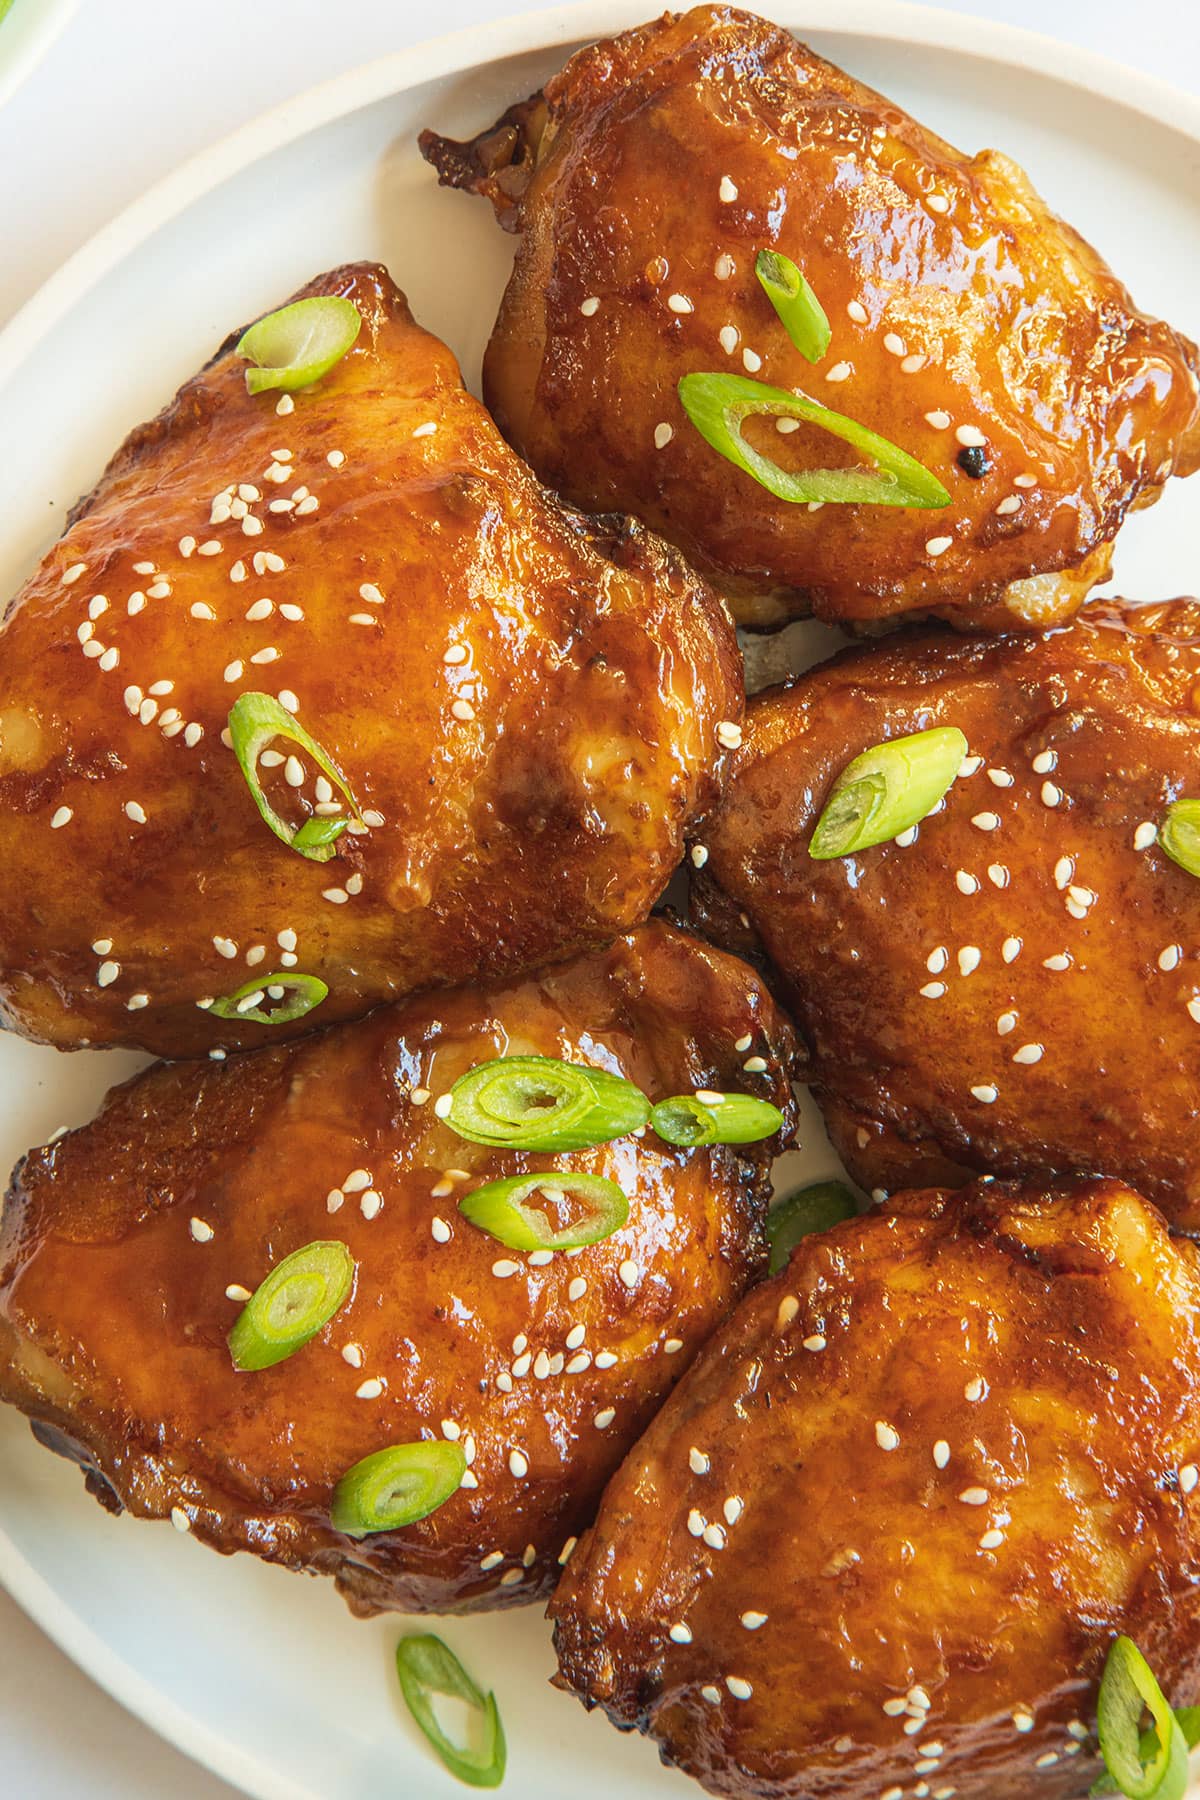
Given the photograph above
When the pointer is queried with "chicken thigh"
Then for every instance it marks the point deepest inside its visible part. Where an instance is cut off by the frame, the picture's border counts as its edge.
(523, 705)
(130, 1247)
(969, 327)
(880, 1539)
(1013, 985)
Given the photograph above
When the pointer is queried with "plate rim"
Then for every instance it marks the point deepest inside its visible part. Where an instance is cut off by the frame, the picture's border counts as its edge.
(901, 22)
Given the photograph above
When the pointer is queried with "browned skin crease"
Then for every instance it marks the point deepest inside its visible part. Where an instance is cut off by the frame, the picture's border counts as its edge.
(113, 1317)
(1047, 1336)
(547, 819)
(1111, 703)
(613, 179)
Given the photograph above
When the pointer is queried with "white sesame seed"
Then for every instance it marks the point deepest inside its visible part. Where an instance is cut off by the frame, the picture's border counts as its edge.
(102, 946)
(966, 883)
(504, 1268)
(369, 1389)
(785, 425)
(518, 1463)
(663, 433)
(1057, 962)
(971, 437)
(71, 575)
(841, 371)
(939, 420)
(886, 1436)
(751, 361)
(696, 1522)
(986, 821)
(894, 344)
(210, 547)
(933, 990)
(1010, 504)
(1044, 762)
(814, 1343)
(937, 203)
(680, 1634)
(61, 816)
(711, 1694)
(1193, 1007)
(975, 1388)
(422, 431)
(728, 338)
(1189, 1475)
(698, 1462)
(936, 546)
(1029, 1053)
(590, 307)
(941, 1453)
(1023, 1720)
(985, 1093)
(729, 735)
(969, 959)
(991, 1540)
(201, 1231)
(911, 365)
(937, 960)
(1010, 949)
(107, 973)
(671, 1347)
(353, 1354)
(679, 303)
(630, 1273)
(180, 1520)
(723, 267)
(1046, 1760)
(974, 1496)
(741, 1690)
(1145, 835)
(726, 191)
(1051, 795)
(234, 671)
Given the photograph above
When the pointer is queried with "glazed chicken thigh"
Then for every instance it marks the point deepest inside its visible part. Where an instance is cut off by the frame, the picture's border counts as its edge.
(879, 1540)
(970, 327)
(129, 1247)
(523, 703)
(1012, 985)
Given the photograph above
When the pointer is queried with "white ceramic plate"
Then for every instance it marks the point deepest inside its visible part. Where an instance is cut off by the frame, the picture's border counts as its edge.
(27, 31)
(259, 1674)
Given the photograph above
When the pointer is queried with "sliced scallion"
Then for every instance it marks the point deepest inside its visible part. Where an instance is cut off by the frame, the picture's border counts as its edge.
(295, 346)
(503, 1209)
(397, 1486)
(1141, 1770)
(426, 1667)
(886, 790)
(728, 1119)
(809, 1209)
(1179, 834)
(255, 721)
(795, 302)
(717, 406)
(298, 1298)
(274, 999)
(542, 1103)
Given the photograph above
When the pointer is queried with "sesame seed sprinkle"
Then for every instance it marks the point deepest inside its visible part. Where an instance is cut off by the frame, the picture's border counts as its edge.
(201, 1231)
(590, 307)
(726, 191)
(663, 433)
(937, 546)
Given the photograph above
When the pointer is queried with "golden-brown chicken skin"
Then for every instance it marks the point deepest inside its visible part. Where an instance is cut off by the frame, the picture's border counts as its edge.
(969, 326)
(1016, 986)
(127, 1248)
(878, 1541)
(524, 703)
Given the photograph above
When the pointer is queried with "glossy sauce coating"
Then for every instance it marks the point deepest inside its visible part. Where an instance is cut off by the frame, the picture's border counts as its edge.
(965, 316)
(952, 1451)
(1016, 986)
(121, 1240)
(524, 703)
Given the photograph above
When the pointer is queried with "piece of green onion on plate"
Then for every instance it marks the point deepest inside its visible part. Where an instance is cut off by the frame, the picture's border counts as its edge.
(814, 1208)
(427, 1668)
(887, 790)
(542, 1103)
(718, 406)
(693, 1120)
(295, 346)
(1142, 1765)
(789, 293)
(297, 1299)
(274, 999)
(397, 1486)
(255, 721)
(1179, 834)
(591, 1206)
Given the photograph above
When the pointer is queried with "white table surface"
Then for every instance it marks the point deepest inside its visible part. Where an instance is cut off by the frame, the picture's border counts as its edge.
(131, 89)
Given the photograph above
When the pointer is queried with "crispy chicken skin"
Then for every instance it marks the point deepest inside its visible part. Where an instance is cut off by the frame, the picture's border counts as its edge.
(1017, 990)
(524, 703)
(937, 1464)
(643, 182)
(119, 1243)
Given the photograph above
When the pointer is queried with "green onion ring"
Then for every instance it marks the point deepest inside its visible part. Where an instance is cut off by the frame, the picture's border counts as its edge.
(809, 1209)
(794, 301)
(886, 790)
(295, 346)
(718, 404)
(1141, 1771)
(307, 991)
(691, 1122)
(395, 1487)
(297, 1299)
(543, 1103)
(500, 1209)
(1179, 834)
(255, 721)
(426, 1667)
